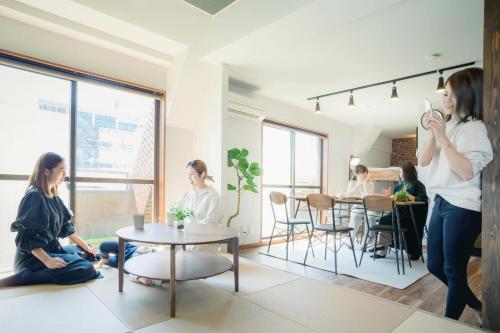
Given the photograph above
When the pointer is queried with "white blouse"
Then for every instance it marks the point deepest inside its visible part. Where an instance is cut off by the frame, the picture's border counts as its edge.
(360, 189)
(205, 203)
(471, 140)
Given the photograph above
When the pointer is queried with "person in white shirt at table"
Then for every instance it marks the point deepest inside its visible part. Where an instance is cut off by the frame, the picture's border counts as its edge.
(359, 186)
(203, 199)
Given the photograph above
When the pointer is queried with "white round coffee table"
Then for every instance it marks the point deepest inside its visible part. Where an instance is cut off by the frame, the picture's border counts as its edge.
(181, 265)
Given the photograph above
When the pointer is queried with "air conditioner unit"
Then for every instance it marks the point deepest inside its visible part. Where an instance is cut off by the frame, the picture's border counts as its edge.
(245, 107)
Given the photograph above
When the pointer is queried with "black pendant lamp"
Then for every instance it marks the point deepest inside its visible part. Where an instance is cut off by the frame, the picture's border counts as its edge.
(351, 101)
(440, 87)
(317, 109)
(394, 94)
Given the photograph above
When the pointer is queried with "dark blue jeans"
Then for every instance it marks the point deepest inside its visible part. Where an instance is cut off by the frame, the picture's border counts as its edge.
(452, 232)
(109, 250)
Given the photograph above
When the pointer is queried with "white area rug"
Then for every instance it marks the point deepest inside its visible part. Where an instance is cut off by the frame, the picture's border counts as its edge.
(381, 271)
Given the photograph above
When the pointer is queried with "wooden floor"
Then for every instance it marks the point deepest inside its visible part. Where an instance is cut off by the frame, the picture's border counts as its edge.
(428, 293)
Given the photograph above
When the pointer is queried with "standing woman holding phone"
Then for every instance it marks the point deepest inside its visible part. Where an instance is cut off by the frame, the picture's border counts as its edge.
(456, 150)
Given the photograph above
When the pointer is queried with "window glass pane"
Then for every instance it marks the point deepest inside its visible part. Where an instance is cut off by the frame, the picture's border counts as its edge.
(101, 209)
(307, 160)
(276, 151)
(35, 116)
(11, 193)
(115, 133)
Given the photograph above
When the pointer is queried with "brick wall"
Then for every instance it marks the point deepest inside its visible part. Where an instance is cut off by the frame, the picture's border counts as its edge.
(404, 150)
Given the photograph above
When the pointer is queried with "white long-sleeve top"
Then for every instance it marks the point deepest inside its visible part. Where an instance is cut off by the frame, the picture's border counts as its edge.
(359, 189)
(471, 140)
(205, 203)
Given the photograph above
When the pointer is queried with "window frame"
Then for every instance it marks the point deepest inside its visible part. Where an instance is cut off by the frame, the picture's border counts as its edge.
(323, 163)
(75, 76)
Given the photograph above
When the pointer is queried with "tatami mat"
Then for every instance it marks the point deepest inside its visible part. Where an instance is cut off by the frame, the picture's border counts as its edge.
(140, 306)
(235, 315)
(269, 301)
(424, 322)
(11, 292)
(323, 306)
(253, 277)
(67, 310)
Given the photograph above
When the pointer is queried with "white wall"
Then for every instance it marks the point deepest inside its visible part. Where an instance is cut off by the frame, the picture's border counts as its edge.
(379, 154)
(241, 132)
(179, 151)
(31, 41)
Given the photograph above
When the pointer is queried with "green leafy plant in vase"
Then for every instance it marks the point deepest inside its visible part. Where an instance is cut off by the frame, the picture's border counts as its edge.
(180, 214)
(245, 173)
(402, 195)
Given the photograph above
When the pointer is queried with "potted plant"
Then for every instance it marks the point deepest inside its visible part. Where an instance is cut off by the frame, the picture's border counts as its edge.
(180, 214)
(245, 173)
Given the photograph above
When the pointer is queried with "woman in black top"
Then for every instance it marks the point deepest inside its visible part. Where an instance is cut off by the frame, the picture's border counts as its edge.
(41, 220)
(416, 189)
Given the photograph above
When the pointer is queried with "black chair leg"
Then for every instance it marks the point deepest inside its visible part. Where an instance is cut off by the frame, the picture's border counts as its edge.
(270, 239)
(401, 249)
(308, 246)
(396, 250)
(293, 237)
(326, 243)
(406, 247)
(335, 250)
(363, 249)
(352, 248)
(309, 235)
(375, 248)
(287, 239)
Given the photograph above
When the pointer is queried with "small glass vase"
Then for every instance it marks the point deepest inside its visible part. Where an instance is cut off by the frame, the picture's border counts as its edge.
(180, 225)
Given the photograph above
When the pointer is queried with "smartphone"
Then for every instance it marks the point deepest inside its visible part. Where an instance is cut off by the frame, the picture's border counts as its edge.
(428, 107)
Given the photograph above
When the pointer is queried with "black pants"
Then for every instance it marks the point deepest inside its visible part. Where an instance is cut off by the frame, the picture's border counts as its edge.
(452, 232)
(412, 239)
(77, 270)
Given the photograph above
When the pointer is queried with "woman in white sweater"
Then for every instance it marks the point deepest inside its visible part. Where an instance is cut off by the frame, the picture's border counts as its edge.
(456, 150)
(203, 199)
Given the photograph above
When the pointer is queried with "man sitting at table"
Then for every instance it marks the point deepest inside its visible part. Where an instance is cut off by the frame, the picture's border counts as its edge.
(416, 190)
(359, 186)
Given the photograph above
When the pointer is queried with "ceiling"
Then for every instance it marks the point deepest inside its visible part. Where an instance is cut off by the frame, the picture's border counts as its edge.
(290, 50)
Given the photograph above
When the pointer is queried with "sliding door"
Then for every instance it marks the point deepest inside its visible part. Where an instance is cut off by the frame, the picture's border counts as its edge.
(292, 161)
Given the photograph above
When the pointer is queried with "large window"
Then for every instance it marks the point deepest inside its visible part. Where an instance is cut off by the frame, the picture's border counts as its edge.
(292, 160)
(109, 137)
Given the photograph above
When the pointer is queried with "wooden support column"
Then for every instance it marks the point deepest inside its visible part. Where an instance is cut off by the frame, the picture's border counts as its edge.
(491, 174)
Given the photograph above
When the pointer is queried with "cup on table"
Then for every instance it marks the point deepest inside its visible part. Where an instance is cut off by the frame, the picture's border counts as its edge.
(139, 221)
(170, 219)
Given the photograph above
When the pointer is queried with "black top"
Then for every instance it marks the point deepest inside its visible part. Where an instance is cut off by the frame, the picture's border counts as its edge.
(40, 222)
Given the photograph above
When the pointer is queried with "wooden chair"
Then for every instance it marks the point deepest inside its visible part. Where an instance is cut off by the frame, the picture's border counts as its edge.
(383, 205)
(322, 202)
(280, 199)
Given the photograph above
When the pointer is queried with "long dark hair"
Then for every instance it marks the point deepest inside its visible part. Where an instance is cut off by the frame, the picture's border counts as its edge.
(467, 86)
(47, 161)
(409, 173)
